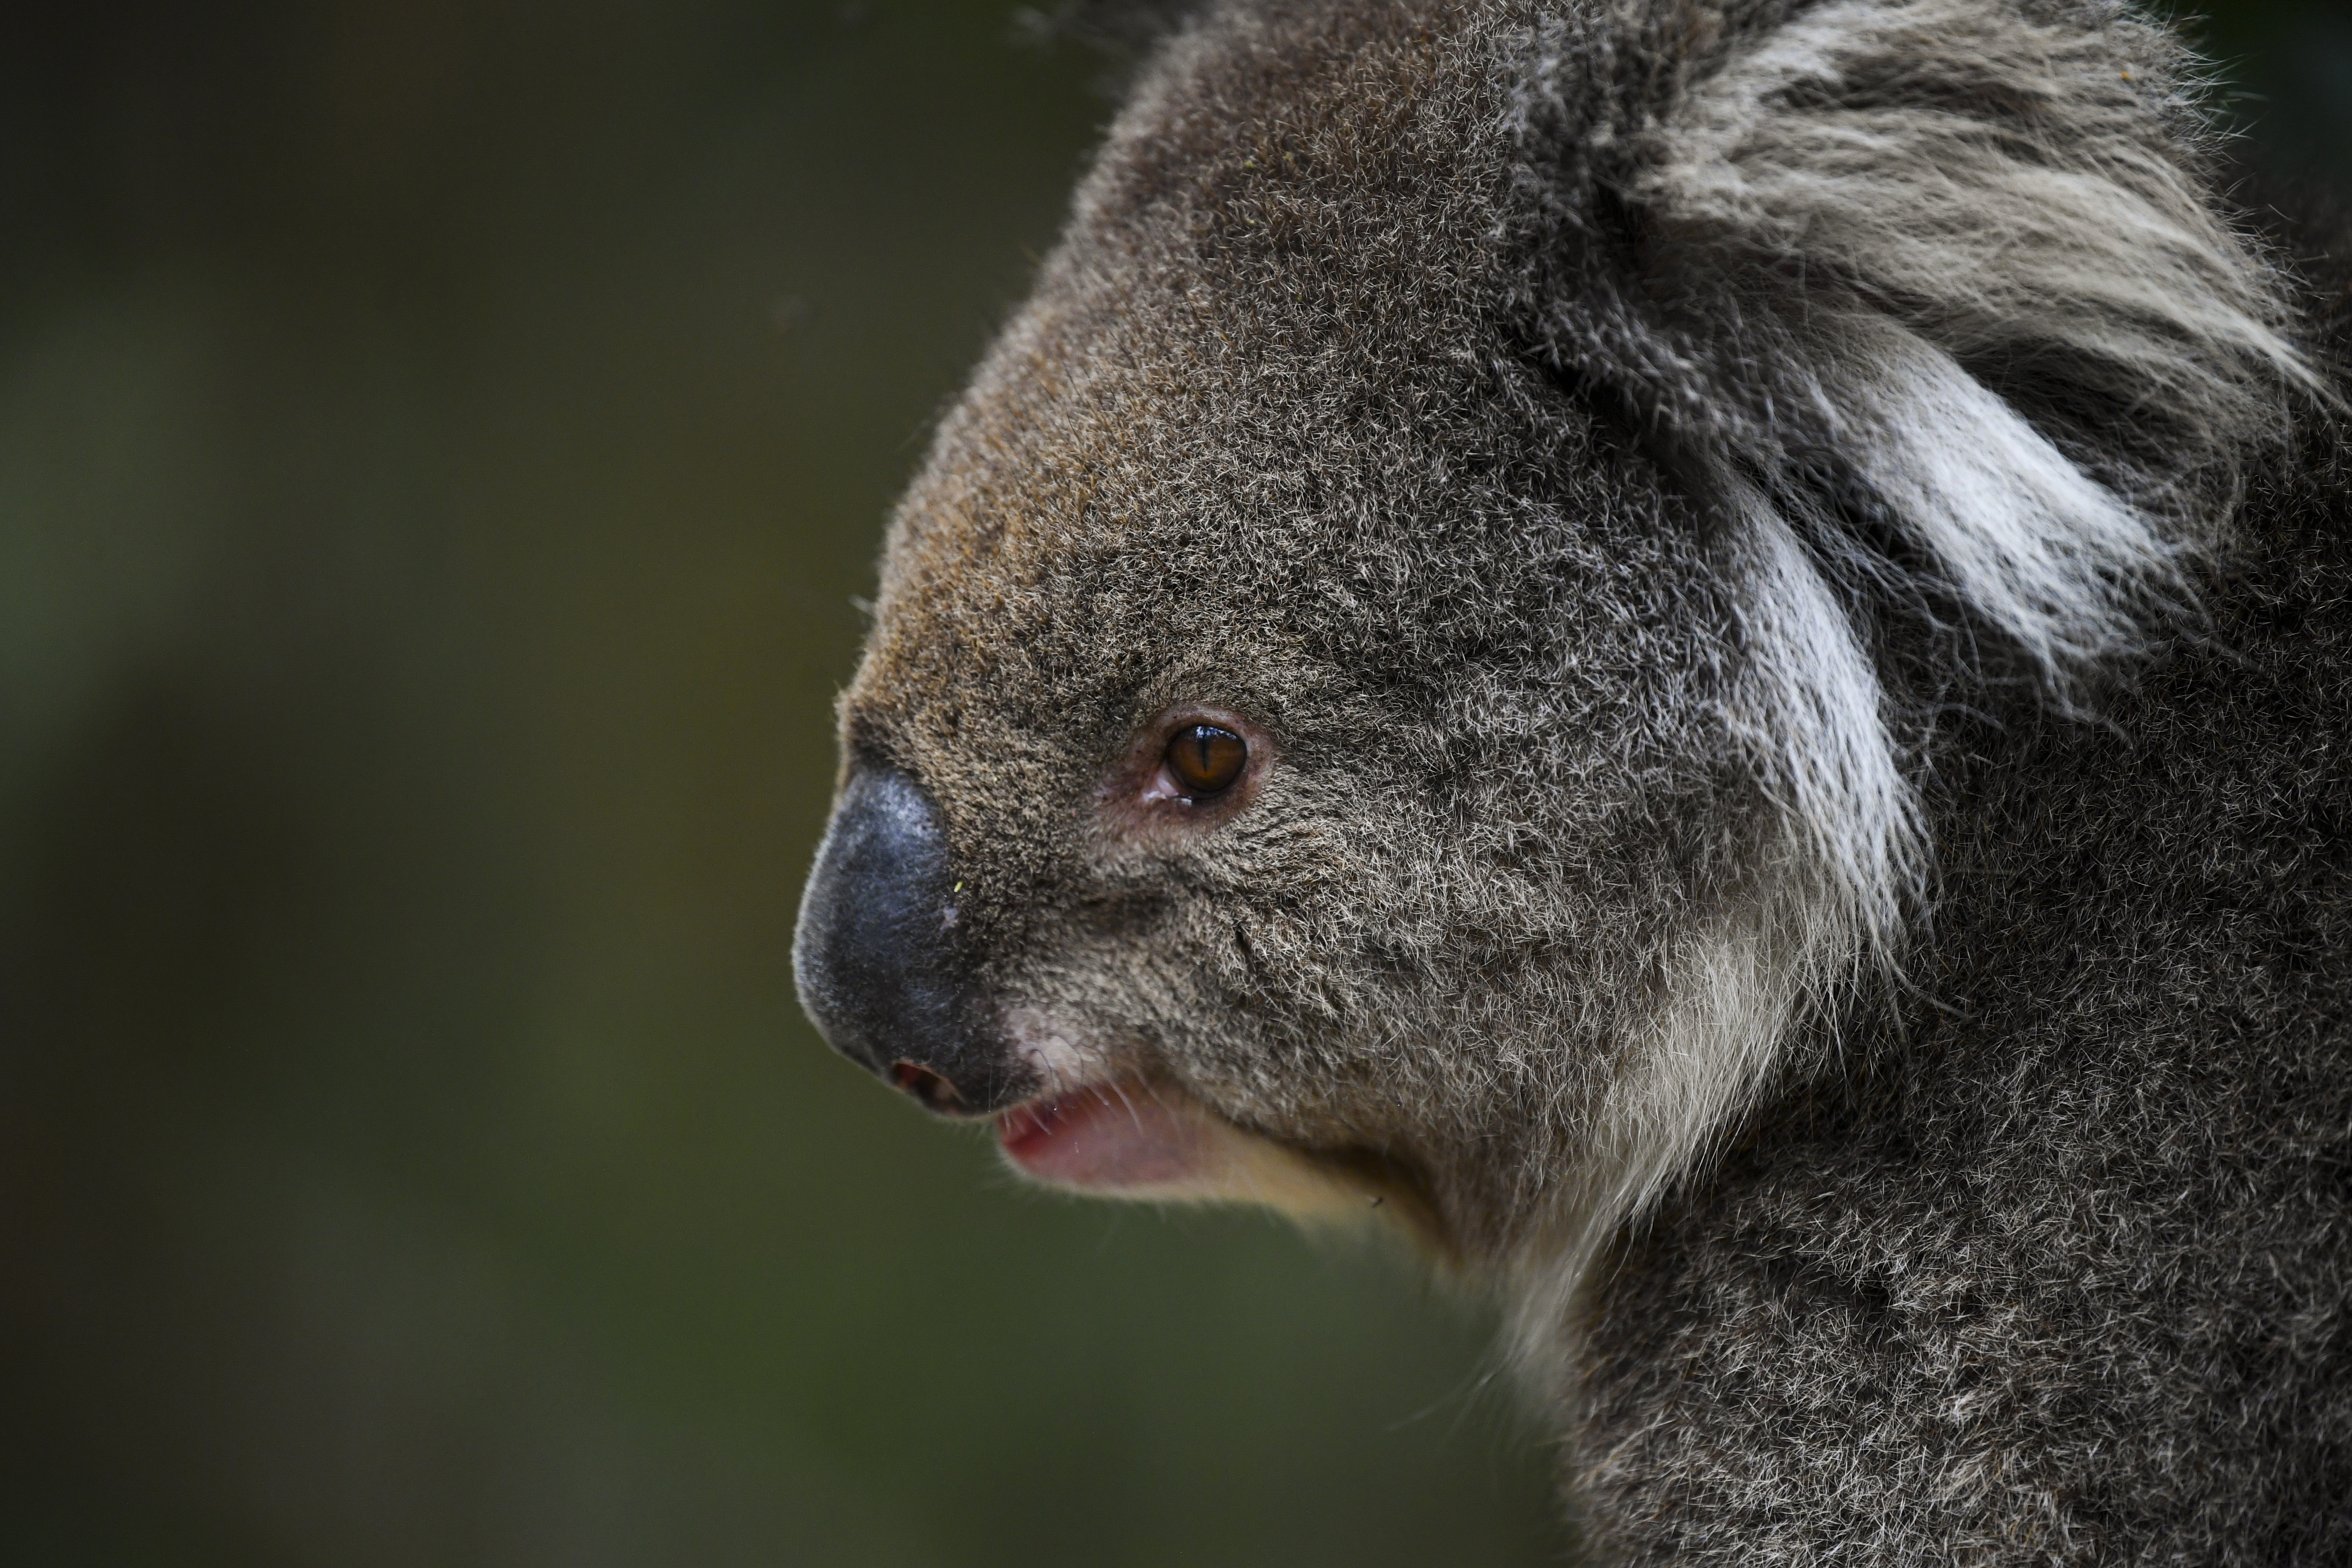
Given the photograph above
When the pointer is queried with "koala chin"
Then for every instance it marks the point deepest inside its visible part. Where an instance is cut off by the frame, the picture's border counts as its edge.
(1700, 648)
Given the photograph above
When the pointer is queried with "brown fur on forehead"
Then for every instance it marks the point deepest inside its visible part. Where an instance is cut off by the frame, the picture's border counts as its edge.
(1228, 379)
(1205, 327)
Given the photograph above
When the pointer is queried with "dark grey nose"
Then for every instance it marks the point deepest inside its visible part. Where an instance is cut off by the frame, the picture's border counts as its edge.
(875, 956)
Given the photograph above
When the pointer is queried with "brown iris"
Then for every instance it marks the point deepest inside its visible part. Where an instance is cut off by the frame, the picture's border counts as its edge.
(1206, 761)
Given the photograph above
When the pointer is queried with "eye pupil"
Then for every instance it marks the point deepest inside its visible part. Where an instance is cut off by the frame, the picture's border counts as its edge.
(1207, 760)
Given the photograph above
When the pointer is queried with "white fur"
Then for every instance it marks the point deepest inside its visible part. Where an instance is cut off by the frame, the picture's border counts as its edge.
(1828, 895)
(1809, 706)
(1737, 986)
(1848, 177)
(1058, 1056)
(2076, 224)
(2032, 543)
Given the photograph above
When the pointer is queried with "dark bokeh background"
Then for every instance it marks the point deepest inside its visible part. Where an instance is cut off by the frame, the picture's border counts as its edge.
(440, 442)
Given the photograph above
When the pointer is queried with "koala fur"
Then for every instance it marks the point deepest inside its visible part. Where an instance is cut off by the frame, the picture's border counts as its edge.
(1782, 566)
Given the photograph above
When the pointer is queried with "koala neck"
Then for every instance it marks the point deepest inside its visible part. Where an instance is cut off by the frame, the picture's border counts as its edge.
(1750, 998)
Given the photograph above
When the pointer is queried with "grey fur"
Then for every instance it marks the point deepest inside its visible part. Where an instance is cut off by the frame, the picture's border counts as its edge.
(1789, 558)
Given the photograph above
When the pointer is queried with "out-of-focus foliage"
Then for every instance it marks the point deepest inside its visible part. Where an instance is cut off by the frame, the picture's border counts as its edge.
(2286, 69)
(440, 445)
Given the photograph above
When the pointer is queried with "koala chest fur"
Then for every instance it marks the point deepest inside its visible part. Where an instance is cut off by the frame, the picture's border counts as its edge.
(1699, 650)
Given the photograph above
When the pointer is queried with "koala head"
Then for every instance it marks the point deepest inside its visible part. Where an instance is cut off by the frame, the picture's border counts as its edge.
(1396, 684)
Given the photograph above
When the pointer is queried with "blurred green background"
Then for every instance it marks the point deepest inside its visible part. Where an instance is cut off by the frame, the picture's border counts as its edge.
(440, 444)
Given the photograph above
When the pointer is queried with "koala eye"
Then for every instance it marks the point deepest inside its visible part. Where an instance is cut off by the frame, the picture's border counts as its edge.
(1205, 760)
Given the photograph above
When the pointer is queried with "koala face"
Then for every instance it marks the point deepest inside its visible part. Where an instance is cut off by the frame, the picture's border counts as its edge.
(1226, 497)
(1366, 701)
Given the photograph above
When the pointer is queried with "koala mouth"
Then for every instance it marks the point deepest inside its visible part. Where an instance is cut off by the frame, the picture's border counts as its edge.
(1135, 1138)
(1124, 1136)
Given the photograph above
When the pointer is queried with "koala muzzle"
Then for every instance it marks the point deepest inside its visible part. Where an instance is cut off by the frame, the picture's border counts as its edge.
(874, 955)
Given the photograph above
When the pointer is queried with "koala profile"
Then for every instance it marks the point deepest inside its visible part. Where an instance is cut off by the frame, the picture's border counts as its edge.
(1700, 648)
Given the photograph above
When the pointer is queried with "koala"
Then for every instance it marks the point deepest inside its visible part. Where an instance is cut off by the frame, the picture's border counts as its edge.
(1699, 650)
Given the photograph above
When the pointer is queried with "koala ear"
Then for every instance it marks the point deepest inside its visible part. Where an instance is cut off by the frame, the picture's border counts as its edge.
(1950, 268)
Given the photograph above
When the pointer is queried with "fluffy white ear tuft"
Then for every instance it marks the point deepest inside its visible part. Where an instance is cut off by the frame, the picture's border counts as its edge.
(2023, 534)
(1954, 265)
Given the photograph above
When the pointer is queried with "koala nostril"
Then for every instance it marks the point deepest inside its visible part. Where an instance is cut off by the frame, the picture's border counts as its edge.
(933, 1090)
(878, 956)
(874, 967)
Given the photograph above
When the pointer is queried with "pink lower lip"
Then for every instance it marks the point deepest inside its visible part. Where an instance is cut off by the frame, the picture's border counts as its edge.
(1027, 1126)
(1106, 1136)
